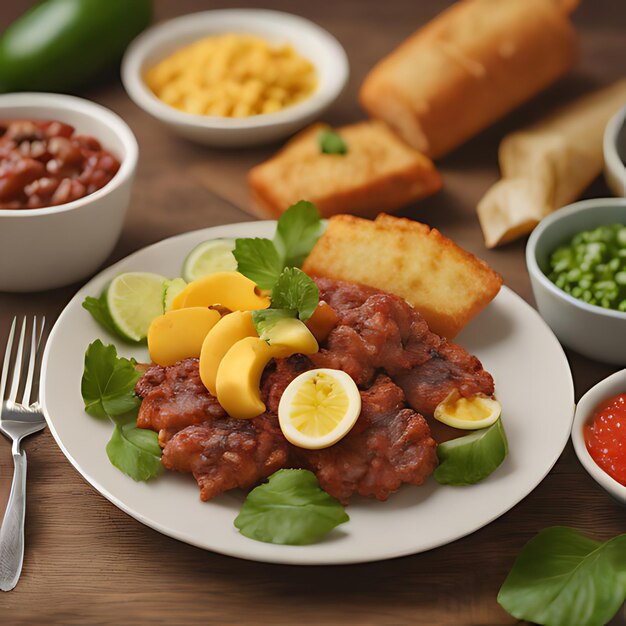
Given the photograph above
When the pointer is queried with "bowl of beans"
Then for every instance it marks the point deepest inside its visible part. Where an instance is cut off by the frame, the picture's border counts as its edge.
(599, 437)
(235, 77)
(66, 171)
(576, 258)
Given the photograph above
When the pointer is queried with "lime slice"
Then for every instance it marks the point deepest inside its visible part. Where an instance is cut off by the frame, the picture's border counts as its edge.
(215, 255)
(318, 408)
(134, 299)
(171, 288)
(471, 413)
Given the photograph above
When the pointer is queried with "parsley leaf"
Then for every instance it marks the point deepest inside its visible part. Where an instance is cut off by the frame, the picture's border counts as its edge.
(295, 290)
(297, 231)
(259, 260)
(332, 143)
(467, 460)
(108, 383)
(562, 577)
(290, 508)
(100, 312)
(134, 451)
(265, 319)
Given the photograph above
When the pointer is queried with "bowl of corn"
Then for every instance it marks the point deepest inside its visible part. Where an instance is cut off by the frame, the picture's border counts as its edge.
(235, 77)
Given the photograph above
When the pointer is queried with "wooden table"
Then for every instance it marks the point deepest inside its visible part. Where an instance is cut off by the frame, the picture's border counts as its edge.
(88, 563)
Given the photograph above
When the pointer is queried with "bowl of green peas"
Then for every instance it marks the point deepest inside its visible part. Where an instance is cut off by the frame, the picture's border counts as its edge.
(576, 258)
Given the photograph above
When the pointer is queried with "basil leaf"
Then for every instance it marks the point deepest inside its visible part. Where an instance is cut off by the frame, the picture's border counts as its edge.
(331, 143)
(295, 290)
(100, 312)
(562, 578)
(265, 319)
(135, 451)
(297, 231)
(259, 260)
(108, 383)
(470, 459)
(290, 508)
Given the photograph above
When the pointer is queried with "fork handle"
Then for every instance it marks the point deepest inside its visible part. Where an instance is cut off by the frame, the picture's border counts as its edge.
(12, 530)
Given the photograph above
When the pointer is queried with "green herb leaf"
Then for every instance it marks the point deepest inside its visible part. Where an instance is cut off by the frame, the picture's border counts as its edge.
(265, 319)
(100, 312)
(290, 508)
(259, 260)
(470, 459)
(134, 451)
(298, 230)
(295, 290)
(562, 578)
(332, 143)
(108, 383)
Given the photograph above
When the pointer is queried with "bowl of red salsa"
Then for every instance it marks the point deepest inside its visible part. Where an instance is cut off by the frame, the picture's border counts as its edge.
(599, 434)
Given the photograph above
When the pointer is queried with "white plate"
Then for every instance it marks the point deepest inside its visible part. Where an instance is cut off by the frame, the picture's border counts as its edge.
(533, 383)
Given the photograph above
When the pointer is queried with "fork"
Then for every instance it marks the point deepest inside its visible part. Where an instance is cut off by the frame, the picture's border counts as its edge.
(18, 419)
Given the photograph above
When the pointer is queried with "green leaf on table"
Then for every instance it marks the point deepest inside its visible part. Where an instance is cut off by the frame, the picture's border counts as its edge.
(108, 383)
(265, 319)
(470, 459)
(259, 260)
(331, 143)
(295, 290)
(297, 231)
(100, 312)
(134, 451)
(290, 508)
(562, 578)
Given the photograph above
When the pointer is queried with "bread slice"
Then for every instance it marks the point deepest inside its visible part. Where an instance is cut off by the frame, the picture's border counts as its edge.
(446, 284)
(378, 172)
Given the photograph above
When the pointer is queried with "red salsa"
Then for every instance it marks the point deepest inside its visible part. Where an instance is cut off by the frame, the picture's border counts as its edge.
(44, 163)
(606, 437)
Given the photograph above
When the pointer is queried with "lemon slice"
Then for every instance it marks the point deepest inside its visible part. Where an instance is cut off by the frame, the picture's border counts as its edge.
(471, 413)
(134, 299)
(209, 257)
(318, 408)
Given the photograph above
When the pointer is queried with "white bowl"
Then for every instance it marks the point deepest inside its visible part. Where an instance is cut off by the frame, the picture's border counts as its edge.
(611, 386)
(590, 330)
(55, 246)
(308, 39)
(614, 147)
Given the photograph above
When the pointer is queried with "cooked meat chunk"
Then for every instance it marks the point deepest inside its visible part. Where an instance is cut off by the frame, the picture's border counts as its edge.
(226, 453)
(174, 397)
(389, 445)
(377, 330)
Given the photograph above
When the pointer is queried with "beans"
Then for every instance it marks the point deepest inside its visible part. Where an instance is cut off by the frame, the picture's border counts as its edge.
(592, 266)
(43, 163)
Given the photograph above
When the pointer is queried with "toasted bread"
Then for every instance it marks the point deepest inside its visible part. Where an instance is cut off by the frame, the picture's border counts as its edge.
(379, 171)
(443, 282)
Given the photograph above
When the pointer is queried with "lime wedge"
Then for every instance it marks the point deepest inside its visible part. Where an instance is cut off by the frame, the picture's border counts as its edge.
(134, 299)
(215, 255)
(171, 288)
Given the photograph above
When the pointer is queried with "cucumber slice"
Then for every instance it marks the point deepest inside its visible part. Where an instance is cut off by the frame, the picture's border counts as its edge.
(215, 255)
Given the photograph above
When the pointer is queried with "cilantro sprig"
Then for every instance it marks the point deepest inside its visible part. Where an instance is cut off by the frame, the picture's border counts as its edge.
(108, 390)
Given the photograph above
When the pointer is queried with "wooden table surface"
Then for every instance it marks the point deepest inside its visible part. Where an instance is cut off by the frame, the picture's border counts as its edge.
(87, 562)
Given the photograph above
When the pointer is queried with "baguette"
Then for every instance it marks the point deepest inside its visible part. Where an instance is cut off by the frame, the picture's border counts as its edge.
(379, 171)
(468, 67)
(443, 282)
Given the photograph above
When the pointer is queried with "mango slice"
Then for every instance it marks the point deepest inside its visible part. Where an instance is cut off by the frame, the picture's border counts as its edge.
(228, 289)
(223, 336)
(239, 375)
(289, 336)
(179, 334)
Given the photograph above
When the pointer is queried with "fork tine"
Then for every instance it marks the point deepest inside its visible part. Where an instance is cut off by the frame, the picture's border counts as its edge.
(17, 368)
(39, 356)
(32, 356)
(7, 358)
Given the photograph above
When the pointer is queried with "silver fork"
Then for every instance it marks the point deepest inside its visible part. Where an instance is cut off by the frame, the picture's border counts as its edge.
(18, 419)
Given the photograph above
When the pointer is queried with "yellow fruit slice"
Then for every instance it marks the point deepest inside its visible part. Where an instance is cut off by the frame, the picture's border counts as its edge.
(471, 413)
(318, 408)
